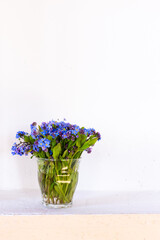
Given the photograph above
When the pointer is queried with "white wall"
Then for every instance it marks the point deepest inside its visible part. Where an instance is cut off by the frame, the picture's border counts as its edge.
(94, 62)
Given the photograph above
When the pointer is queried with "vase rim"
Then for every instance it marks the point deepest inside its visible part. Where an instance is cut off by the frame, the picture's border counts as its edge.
(56, 160)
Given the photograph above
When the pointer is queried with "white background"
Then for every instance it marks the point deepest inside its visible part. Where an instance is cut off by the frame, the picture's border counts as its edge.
(94, 62)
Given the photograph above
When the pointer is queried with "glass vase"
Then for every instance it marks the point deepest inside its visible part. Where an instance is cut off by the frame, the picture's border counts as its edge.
(57, 180)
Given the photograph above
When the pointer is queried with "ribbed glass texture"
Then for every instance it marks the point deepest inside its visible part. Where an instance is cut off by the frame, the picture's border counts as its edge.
(57, 180)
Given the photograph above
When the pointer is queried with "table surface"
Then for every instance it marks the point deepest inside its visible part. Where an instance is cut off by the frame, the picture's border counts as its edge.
(28, 202)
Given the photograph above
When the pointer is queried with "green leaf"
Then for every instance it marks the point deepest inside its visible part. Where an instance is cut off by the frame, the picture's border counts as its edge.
(65, 153)
(42, 154)
(71, 154)
(71, 144)
(26, 139)
(49, 138)
(51, 187)
(36, 154)
(30, 150)
(53, 143)
(56, 151)
(83, 138)
(50, 170)
(39, 128)
(77, 155)
(89, 143)
(47, 154)
(78, 142)
(31, 139)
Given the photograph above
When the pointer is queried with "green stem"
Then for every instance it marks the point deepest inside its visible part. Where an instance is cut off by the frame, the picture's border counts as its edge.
(58, 185)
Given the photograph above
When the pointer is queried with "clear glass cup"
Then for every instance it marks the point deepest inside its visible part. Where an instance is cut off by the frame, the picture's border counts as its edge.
(57, 180)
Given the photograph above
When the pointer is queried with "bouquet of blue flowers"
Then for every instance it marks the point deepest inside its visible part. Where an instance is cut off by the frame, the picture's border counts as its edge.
(57, 145)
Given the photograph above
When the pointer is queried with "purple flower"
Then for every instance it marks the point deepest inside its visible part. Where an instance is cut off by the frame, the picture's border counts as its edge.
(27, 148)
(44, 135)
(44, 132)
(91, 131)
(89, 150)
(44, 149)
(98, 136)
(50, 127)
(50, 152)
(60, 133)
(34, 133)
(44, 125)
(36, 143)
(14, 148)
(20, 149)
(44, 143)
(74, 132)
(71, 127)
(34, 124)
(20, 134)
(68, 134)
(35, 148)
(53, 135)
(66, 145)
(64, 135)
(72, 138)
(81, 131)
